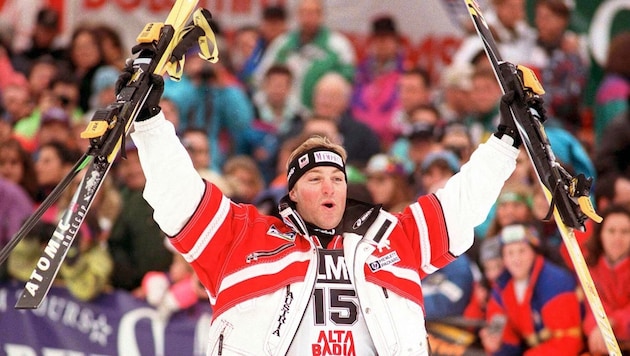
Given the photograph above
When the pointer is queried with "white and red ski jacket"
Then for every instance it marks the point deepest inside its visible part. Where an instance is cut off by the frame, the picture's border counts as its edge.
(260, 271)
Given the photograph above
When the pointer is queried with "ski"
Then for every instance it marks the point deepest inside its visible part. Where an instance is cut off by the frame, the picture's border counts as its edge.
(160, 50)
(568, 196)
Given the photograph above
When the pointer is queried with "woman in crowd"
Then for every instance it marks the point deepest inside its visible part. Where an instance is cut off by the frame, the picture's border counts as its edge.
(17, 166)
(608, 258)
(534, 307)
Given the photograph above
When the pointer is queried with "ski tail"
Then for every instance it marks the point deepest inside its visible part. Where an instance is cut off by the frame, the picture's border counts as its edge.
(568, 195)
(161, 49)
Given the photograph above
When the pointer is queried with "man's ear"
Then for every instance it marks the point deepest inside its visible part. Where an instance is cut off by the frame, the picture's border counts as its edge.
(293, 195)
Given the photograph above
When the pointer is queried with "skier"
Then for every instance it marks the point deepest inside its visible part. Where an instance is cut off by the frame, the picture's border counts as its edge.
(333, 276)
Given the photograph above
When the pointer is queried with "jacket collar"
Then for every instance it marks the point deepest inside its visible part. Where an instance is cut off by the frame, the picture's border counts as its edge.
(357, 217)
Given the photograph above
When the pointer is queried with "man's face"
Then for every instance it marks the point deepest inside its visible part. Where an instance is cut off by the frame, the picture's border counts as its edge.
(413, 91)
(320, 196)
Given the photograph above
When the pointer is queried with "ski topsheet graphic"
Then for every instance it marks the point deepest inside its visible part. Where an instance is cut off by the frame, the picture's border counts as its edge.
(160, 50)
(568, 196)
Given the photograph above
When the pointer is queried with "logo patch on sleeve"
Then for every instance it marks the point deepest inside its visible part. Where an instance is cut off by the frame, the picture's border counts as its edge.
(381, 262)
(288, 236)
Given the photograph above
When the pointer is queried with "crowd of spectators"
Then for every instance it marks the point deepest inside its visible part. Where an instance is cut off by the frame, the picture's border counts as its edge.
(405, 132)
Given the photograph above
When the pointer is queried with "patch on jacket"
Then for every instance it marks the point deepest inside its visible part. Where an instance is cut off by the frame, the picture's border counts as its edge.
(288, 236)
(383, 261)
(362, 219)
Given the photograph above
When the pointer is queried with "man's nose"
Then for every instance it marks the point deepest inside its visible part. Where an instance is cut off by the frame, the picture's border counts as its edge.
(327, 186)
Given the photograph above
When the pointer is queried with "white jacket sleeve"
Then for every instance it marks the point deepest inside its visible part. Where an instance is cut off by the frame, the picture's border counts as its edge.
(173, 187)
(468, 196)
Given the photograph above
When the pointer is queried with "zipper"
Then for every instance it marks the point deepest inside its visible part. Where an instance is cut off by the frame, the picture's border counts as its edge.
(385, 292)
(310, 295)
(220, 351)
(255, 255)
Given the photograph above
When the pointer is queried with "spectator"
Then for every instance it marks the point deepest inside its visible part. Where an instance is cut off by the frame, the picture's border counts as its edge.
(559, 58)
(245, 54)
(273, 23)
(419, 136)
(86, 58)
(44, 41)
(273, 103)
(63, 93)
(136, 242)
(454, 102)
(513, 205)
(18, 105)
(534, 306)
(114, 52)
(508, 23)
(196, 143)
(414, 90)
(170, 291)
(246, 180)
(608, 258)
(437, 168)
(204, 101)
(331, 99)
(41, 75)
(251, 42)
(388, 183)
(612, 155)
(275, 110)
(611, 98)
(16, 165)
(295, 49)
(491, 265)
(55, 127)
(15, 207)
(86, 268)
(447, 292)
(54, 161)
(375, 92)
(485, 96)
(456, 138)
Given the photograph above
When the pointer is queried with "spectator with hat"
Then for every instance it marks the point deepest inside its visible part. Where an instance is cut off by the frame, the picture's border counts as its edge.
(418, 137)
(375, 92)
(44, 41)
(534, 307)
(388, 183)
(437, 168)
(55, 126)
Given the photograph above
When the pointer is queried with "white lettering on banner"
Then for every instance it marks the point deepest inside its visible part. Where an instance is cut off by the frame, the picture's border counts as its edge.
(70, 314)
(601, 24)
(25, 350)
(3, 300)
(127, 342)
(327, 156)
(19, 350)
